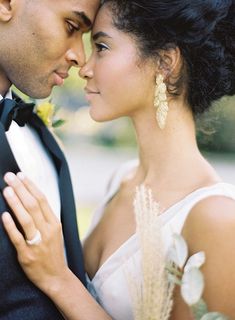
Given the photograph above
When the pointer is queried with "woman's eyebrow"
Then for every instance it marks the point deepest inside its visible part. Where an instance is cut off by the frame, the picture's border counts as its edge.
(99, 35)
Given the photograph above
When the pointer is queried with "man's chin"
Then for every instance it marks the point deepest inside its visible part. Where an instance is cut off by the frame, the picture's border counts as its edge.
(38, 93)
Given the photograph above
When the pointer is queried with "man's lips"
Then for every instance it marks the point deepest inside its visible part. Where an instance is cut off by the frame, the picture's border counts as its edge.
(59, 77)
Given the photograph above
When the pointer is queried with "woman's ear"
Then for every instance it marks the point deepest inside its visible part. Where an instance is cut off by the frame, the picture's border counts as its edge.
(5, 10)
(170, 62)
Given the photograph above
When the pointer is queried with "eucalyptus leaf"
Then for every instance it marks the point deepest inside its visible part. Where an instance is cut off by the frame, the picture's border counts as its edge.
(214, 316)
(58, 123)
(199, 309)
(178, 252)
(196, 260)
(192, 286)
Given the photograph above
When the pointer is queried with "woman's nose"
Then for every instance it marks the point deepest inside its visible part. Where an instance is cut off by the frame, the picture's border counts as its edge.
(86, 71)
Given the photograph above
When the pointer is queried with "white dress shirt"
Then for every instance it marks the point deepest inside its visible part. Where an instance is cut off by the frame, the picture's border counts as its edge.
(34, 160)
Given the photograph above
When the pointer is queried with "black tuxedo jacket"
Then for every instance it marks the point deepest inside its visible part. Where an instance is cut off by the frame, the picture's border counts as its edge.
(19, 298)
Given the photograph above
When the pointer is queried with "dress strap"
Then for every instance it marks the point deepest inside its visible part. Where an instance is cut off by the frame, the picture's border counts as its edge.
(175, 217)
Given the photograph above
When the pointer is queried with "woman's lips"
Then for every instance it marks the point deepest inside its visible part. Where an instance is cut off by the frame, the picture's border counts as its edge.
(90, 93)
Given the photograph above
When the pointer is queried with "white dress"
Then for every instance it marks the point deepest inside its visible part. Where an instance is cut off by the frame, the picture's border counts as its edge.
(109, 285)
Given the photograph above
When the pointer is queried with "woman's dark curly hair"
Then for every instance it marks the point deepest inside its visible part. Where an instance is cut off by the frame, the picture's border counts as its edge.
(203, 30)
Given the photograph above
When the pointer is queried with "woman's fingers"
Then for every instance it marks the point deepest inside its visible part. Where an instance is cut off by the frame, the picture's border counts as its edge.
(37, 194)
(34, 192)
(14, 234)
(32, 199)
(29, 223)
(40, 261)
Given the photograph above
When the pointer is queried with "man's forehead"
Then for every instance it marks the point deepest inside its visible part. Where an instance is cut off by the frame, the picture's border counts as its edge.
(86, 10)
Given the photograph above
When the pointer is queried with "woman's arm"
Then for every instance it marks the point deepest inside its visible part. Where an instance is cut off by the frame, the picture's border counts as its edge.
(210, 227)
(44, 263)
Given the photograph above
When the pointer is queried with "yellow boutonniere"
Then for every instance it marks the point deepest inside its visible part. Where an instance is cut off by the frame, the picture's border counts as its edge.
(47, 112)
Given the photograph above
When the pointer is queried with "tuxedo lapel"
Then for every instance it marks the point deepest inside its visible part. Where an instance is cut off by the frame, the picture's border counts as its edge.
(7, 160)
(68, 209)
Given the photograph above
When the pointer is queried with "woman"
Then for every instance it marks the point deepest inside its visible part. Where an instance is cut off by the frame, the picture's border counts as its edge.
(159, 63)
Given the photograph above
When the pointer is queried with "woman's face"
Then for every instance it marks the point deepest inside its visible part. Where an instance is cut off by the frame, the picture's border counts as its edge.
(119, 83)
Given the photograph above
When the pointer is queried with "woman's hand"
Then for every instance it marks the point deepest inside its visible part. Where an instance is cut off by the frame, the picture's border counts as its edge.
(43, 262)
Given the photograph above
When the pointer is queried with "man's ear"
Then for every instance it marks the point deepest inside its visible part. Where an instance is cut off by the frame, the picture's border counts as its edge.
(5, 10)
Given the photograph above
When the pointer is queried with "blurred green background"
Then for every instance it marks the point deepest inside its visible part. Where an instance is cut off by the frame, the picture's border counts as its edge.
(94, 151)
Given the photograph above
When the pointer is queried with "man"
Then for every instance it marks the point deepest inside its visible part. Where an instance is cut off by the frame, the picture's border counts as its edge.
(40, 41)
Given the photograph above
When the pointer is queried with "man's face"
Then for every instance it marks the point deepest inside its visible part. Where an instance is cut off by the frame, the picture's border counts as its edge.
(42, 40)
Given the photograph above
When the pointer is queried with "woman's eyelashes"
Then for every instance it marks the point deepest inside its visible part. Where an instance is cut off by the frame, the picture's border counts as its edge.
(100, 47)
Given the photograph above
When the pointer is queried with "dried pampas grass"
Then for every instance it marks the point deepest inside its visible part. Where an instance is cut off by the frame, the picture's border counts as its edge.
(151, 297)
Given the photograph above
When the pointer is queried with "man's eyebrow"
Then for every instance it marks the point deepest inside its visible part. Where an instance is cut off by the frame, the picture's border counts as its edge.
(84, 18)
(99, 35)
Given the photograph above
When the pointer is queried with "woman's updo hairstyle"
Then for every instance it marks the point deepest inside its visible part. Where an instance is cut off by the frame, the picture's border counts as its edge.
(203, 30)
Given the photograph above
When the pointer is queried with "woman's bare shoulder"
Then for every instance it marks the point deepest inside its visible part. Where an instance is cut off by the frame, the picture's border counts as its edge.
(210, 227)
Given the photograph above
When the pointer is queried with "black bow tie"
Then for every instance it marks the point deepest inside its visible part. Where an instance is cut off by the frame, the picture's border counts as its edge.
(16, 110)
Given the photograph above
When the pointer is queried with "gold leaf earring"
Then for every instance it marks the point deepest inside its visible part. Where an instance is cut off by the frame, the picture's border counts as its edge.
(160, 102)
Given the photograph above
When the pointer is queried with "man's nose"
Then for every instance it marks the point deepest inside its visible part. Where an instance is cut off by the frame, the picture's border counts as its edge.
(76, 54)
